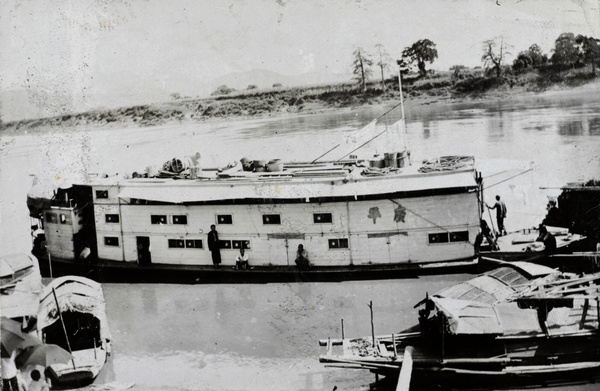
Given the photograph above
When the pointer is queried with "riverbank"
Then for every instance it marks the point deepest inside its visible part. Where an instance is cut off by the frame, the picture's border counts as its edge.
(303, 101)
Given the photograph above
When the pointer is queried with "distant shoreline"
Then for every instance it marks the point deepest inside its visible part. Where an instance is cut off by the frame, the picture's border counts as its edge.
(278, 104)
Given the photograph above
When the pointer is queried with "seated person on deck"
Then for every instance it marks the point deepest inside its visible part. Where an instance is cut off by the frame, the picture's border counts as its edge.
(241, 261)
(547, 238)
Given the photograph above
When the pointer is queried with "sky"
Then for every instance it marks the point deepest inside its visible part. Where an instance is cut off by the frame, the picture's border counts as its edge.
(72, 55)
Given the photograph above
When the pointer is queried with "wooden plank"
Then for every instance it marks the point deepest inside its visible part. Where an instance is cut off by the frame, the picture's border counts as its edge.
(406, 371)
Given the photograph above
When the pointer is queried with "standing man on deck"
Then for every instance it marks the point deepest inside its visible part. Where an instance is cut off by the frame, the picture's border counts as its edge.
(500, 214)
(213, 245)
(302, 258)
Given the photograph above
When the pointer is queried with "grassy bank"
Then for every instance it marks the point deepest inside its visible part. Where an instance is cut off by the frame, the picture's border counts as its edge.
(458, 85)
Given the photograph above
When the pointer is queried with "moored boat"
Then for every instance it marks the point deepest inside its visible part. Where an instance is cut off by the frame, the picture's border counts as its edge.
(372, 217)
(518, 325)
(72, 315)
(525, 245)
(20, 285)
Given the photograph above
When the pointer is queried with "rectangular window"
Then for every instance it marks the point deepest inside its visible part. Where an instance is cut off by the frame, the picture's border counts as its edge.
(459, 236)
(101, 193)
(338, 243)
(193, 243)
(237, 244)
(438, 238)
(224, 219)
(158, 219)
(65, 219)
(180, 219)
(51, 218)
(111, 218)
(176, 243)
(225, 244)
(111, 241)
(322, 218)
(271, 219)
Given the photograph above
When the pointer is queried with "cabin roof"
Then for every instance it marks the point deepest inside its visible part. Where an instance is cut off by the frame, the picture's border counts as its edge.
(497, 284)
(348, 183)
(13, 263)
(506, 318)
(76, 294)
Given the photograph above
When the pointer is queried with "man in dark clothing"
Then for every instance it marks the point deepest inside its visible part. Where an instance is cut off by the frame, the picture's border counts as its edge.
(547, 238)
(500, 214)
(302, 258)
(485, 232)
(213, 245)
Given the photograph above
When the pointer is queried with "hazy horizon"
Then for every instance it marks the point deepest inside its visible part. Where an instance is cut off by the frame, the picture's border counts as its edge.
(70, 56)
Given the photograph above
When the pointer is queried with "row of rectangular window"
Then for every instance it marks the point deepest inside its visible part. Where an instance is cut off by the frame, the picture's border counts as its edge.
(55, 219)
(223, 244)
(318, 218)
(164, 219)
(444, 237)
(448, 237)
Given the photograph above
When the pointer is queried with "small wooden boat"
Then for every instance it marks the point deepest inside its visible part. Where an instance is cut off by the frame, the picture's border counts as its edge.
(14, 268)
(72, 315)
(20, 285)
(518, 325)
(570, 254)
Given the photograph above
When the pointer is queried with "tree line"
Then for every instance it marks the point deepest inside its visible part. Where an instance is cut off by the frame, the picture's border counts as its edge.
(569, 51)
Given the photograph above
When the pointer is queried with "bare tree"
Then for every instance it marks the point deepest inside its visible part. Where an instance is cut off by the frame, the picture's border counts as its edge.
(494, 54)
(383, 62)
(362, 67)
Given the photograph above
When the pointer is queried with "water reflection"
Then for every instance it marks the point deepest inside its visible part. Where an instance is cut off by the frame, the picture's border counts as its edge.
(594, 126)
(570, 128)
(149, 301)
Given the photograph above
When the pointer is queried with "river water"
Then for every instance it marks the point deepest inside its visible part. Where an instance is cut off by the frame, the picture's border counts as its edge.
(265, 336)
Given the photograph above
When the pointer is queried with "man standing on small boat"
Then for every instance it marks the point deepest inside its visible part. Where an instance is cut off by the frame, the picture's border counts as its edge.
(213, 245)
(500, 214)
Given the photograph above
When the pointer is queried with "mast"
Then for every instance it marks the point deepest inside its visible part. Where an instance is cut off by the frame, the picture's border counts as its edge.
(400, 88)
(403, 118)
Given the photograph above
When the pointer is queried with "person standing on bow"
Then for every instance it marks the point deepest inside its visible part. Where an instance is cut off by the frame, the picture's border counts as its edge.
(500, 207)
(213, 245)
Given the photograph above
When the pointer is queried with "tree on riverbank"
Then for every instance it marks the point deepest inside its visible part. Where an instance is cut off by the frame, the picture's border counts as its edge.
(421, 51)
(383, 62)
(494, 54)
(362, 67)
(537, 57)
(589, 51)
(565, 50)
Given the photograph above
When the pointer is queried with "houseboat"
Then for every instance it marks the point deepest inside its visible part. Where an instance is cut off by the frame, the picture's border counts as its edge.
(356, 218)
(518, 325)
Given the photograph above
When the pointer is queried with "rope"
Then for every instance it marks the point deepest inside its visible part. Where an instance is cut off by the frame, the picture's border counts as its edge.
(507, 179)
(376, 119)
(429, 221)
